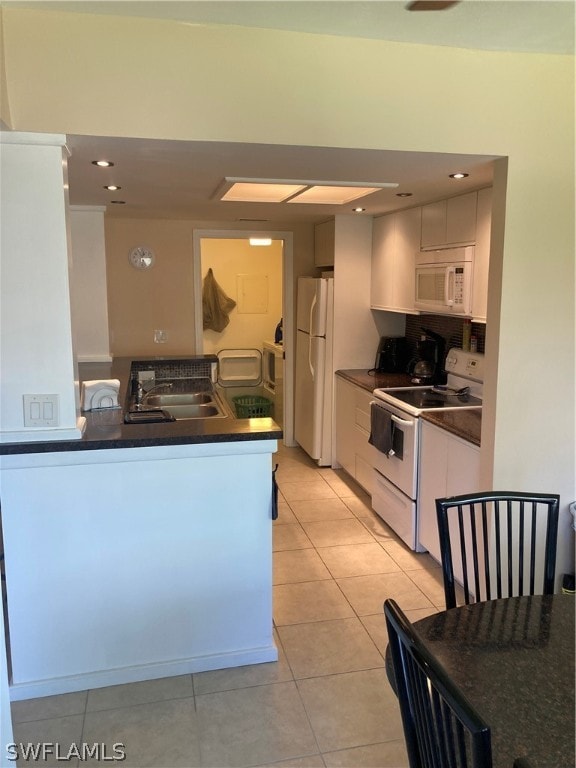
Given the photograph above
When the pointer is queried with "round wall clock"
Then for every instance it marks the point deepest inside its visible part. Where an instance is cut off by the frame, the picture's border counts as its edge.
(141, 257)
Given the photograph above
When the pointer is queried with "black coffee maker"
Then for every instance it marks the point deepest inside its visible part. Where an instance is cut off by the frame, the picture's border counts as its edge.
(426, 365)
(393, 355)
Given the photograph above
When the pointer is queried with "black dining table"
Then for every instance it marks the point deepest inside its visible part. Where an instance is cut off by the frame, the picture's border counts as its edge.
(514, 660)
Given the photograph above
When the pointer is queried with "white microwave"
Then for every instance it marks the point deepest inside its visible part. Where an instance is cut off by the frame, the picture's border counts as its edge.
(444, 281)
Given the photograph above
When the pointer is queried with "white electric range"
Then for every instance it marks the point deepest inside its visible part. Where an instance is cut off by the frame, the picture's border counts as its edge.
(395, 433)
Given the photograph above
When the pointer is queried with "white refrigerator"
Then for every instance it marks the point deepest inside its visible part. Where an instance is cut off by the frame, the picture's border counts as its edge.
(314, 375)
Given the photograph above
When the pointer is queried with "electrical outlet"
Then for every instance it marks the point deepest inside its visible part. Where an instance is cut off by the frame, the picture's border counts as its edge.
(160, 337)
(41, 410)
(146, 377)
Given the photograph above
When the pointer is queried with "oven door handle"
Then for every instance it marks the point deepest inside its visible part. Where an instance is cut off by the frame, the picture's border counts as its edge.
(401, 422)
(395, 419)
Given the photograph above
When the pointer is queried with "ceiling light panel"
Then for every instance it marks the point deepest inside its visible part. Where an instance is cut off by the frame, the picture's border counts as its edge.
(245, 190)
(248, 192)
(332, 195)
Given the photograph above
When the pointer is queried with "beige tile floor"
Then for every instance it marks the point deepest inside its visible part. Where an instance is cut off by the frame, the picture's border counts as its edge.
(326, 703)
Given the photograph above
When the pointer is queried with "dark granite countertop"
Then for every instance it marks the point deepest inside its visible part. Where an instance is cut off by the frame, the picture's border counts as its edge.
(514, 661)
(369, 381)
(461, 422)
(105, 428)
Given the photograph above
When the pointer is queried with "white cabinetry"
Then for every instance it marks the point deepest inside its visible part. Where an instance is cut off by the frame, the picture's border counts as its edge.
(324, 243)
(449, 222)
(448, 466)
(395, 242)
(353, 451)
(482, 255)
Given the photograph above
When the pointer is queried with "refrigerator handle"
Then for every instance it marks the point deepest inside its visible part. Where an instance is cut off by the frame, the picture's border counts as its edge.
(310, 357)
(312, 308)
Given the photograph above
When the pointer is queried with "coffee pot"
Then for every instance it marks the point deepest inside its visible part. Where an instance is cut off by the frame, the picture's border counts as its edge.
(426, 365)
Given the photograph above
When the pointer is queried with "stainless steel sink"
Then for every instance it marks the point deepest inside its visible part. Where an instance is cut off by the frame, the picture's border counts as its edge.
(189, 398)
(184, 399)
(205, 411)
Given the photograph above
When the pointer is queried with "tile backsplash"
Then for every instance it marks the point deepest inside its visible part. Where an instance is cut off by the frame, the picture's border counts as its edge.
(173, 368)
(450, 328)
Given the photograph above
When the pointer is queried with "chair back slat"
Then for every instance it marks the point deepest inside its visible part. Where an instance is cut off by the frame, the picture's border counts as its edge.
(441, 728)
(485, 548)
(521, 528)
(498, 544)
(533, 549)
(509, 540)
(498, 533)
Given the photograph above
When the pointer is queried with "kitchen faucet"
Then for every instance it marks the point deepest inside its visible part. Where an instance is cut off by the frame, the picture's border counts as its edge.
(141, 393)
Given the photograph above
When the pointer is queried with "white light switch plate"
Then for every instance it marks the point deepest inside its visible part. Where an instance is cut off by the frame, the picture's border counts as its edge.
(41, 410)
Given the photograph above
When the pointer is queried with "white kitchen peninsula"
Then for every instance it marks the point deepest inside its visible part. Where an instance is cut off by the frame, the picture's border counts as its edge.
(136, 563)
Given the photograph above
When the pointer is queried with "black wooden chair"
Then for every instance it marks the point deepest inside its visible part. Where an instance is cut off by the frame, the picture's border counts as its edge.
(441, 728)
(500, 544)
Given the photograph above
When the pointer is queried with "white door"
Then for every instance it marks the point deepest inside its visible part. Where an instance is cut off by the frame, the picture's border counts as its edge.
(310, 366)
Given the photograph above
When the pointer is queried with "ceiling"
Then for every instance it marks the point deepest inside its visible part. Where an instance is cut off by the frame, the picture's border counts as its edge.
(175, 179)
(545, 26)
(179, 179)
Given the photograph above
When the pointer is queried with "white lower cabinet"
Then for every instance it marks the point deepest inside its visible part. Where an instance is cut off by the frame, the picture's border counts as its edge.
(449, 466)
(353, 451)
(396, 509)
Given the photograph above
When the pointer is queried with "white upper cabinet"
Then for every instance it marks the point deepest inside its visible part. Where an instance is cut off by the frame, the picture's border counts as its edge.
(383, 258)
(482, 255)
(395, 242)
(324, 244)
(449, 222)
(398, 237)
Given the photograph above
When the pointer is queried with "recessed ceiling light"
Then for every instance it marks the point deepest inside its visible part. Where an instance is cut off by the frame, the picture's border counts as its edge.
(102, 163)
(403, 194)
(118, 202)
(458, 175)
(112, 187)
(358, 210)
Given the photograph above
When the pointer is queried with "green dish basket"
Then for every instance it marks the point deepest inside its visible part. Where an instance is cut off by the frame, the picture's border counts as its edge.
(251, 407)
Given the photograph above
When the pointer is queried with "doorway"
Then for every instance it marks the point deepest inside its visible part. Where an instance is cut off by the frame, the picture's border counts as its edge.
(258, 278)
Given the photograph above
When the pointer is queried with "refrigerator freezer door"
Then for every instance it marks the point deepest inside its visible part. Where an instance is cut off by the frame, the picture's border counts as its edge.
(312, 301)
(310, 370)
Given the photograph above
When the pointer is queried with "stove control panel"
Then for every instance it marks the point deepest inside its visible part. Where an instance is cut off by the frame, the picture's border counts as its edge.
(470, 365)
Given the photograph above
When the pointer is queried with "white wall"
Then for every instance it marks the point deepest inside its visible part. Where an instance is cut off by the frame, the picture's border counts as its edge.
(89, 301)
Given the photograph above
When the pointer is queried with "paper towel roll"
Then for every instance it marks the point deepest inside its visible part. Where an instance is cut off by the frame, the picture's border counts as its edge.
(100, 393)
